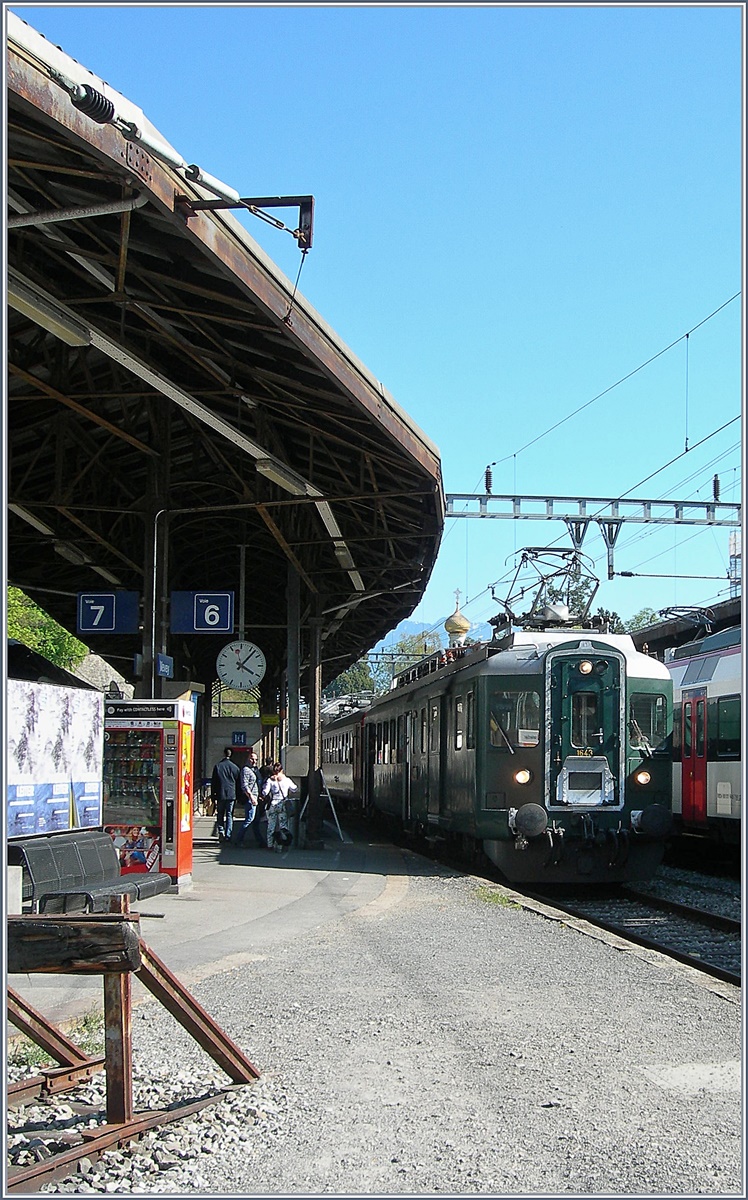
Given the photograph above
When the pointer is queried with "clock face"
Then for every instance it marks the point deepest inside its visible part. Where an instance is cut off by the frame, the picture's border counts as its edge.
(241, 665)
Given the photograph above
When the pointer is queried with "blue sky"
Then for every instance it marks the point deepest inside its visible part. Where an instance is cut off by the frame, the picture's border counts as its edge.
(516, 207)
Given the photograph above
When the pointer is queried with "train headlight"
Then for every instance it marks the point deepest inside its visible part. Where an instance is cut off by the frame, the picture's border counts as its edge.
(585, 667)
(523, 776)
(642, 778)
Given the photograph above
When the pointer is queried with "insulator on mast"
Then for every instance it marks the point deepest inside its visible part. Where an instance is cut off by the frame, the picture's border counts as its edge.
(716, 488)
(489, 481)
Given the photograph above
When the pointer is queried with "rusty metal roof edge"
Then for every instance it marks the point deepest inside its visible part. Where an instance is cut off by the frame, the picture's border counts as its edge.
(46, 53)
(39, 48)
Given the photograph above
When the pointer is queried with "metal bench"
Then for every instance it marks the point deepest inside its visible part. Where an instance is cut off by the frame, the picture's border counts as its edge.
(77, 871)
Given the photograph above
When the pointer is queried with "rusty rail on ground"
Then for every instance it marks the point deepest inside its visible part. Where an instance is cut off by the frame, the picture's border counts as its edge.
(107, 944)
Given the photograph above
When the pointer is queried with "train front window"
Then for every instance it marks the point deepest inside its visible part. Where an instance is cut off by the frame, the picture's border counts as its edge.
(585, 722)
(514, 719)
(648, 729)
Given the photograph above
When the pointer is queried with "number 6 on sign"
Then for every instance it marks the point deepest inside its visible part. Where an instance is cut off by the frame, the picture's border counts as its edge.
(202, 612)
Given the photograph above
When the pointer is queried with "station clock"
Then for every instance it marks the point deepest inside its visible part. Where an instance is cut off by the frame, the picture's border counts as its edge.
(241, 665)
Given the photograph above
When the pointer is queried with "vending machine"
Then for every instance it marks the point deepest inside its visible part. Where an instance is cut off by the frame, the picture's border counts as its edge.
(147, 806)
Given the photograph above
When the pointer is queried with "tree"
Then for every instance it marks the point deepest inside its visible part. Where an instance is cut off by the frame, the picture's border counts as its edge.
(29, 624)
(641, 619)
(405, 652)
(355, 679)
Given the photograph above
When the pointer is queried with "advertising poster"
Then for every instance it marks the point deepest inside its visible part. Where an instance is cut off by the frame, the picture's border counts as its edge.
(138, 847)
(54, 754)
(185, 779)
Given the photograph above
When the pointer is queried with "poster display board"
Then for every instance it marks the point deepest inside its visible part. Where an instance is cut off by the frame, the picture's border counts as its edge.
(54, 754)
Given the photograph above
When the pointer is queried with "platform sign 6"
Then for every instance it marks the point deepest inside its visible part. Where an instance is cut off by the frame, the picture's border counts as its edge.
(108, 612)
(202, 612)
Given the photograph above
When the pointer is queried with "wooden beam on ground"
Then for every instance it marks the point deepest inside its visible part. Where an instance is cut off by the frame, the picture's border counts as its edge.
(94, 944)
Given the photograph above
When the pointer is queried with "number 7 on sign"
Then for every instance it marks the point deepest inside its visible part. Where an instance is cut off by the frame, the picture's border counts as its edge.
(96, 612)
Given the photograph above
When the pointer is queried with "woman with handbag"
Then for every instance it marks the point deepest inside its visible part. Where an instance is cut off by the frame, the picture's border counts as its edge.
(277, 788)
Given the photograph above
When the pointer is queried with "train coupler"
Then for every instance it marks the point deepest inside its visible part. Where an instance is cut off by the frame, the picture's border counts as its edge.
(556, 846)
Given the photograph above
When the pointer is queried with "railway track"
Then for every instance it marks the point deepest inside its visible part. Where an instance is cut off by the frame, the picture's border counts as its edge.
(709, 941)
(690, 933)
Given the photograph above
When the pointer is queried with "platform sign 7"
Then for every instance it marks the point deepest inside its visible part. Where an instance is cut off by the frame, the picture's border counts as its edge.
(108, 612)
(202, 612)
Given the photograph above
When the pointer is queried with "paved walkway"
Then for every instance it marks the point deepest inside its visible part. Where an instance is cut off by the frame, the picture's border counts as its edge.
(238, 900)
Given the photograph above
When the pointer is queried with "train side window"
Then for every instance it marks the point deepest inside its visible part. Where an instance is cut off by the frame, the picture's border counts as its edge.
(434, 729)
(470, 721)
(687, 729)
(700, 670)
(528, 719)
(458, 723)
(700, 728)
(423, 731)
(393, 741)
(728, 727)
(648, 722)
(514, 719)
(585, 722)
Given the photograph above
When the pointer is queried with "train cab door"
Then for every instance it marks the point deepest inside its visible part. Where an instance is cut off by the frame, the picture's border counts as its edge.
(433, 757)
(693, 757)
(585, 742)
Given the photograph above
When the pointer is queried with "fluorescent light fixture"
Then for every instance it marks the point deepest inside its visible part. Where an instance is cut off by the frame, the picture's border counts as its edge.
(30, 519)
(285, 477)
(328, 520)
(107, 575)
(71, 553)
(344, 557)
(42, 308)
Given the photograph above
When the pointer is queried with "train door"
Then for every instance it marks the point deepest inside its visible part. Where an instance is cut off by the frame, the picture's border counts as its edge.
(405, 741)
(586, 730)
(433, 758)
(693, 757)
(368, 756)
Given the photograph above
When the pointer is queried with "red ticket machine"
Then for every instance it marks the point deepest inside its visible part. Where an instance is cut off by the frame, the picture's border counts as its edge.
(148, 751)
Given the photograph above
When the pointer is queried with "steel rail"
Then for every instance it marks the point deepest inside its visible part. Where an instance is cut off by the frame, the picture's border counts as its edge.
(31, 1179)
(640, 939)
(702, 915)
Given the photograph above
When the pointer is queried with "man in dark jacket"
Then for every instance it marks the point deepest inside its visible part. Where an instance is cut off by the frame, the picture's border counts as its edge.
(224, 787)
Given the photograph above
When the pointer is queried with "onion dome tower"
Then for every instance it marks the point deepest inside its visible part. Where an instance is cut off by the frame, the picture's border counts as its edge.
(457, 626)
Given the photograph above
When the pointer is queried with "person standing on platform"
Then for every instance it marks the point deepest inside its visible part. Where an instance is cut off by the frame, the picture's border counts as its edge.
(225, 783)
(251, 781)
(277, 788)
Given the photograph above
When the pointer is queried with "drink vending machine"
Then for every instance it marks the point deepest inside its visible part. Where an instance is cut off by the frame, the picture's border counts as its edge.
(148, 772)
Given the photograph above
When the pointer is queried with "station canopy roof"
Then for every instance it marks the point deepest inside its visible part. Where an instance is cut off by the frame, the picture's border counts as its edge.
(170, 400)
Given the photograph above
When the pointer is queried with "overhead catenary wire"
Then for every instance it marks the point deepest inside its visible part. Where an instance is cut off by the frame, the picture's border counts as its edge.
(618, 383)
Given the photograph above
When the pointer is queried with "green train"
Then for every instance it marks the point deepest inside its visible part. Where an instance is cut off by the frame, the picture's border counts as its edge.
(546, 749)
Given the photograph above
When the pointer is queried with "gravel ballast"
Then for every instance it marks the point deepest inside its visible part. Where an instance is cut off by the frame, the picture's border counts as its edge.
(440, 1039)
